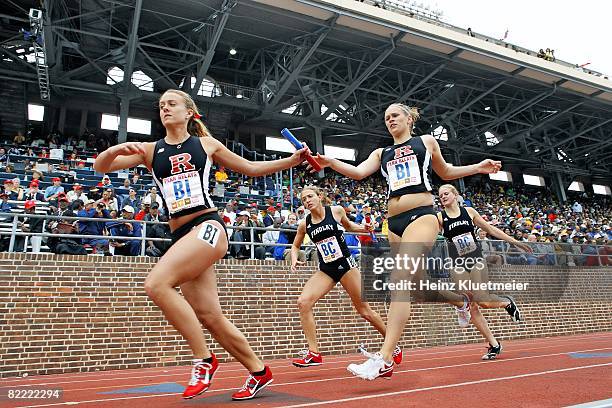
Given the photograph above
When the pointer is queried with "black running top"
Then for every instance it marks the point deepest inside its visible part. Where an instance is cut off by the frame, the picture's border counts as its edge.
(407, 167)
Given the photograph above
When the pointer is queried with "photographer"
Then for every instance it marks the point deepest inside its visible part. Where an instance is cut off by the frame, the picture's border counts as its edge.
(93, 227)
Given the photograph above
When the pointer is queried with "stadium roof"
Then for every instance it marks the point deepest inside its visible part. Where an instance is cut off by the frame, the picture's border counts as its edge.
(330, 65)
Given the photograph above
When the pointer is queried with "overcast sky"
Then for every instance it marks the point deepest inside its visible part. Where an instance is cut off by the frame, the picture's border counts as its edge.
(578, 31)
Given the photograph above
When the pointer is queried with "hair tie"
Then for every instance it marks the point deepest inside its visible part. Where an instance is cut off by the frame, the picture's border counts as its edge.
(196, 115)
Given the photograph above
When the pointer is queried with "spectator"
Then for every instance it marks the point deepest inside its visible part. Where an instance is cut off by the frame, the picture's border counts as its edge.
(76, 193)
(153, 214)
(126, 183)
(3, 157)
(132, 200)
(577, 208)
(52, 191)
(19, 138)
(153, 196)
(30, 224)
(106, 182)
(88, 227)
(221, 175)
(270, 238)
(240, 250)
(268, 219)
(287, 237)
(126, 229)
(158, 230)
(145, 208)
(110, 202)
(5, 207)
(34, 193)
(15, 191)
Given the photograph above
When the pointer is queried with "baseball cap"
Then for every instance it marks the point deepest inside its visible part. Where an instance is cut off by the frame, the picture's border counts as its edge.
(54, 179)
(29, 204)
(271, 208)
(77, 185)
(128, 208)
(278, 205)
(34, 183)
(8, 182)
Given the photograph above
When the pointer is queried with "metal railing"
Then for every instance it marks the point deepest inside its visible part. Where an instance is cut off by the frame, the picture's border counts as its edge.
(549, 253)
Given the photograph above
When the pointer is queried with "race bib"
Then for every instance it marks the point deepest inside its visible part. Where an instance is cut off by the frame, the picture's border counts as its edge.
(403, 172)
(183, 191)
(329, 249)
(464, 243)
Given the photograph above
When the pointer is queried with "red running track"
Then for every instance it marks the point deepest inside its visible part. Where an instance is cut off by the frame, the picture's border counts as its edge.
(530, 373)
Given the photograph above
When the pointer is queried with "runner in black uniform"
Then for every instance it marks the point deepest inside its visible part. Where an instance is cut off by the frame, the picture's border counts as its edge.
(457, 224)
(407, 165)
(180, 164)
(335, 265)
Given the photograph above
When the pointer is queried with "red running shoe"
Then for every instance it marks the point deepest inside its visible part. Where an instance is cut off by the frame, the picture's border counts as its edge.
(253, 385)
(310, 359)
(201, 377)
(397, 355)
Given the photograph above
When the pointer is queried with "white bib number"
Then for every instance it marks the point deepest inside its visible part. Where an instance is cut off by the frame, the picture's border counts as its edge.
(403, 172)
(465, 243)
(329, 249)
(183, 191)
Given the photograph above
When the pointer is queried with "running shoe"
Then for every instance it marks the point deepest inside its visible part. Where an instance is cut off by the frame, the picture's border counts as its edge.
(309, 358)
(397, 355)
(493, 352)
(253, 385)
(373, 368)
(513, 310)
(201, 376)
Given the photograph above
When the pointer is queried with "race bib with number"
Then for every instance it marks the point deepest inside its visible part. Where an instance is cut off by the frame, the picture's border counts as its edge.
(183, 191)
(329, 249)
(465, 243)
(209, 233)
(403, 172)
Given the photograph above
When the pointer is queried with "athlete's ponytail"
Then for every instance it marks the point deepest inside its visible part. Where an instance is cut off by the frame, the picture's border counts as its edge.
(195, 126)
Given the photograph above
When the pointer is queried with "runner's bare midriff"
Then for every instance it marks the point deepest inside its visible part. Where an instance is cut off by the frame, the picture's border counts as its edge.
(398, 205)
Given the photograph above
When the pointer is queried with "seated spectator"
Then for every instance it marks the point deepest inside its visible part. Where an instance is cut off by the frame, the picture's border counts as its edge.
(145, 208)
(52, 191)
(221, 175)
(110, 202)
(34, 193)
(19, 138)
(153, 214)
(37, 175)
(14, 150)
(76, 193)
(15, 191)
(33, 225)
(153, 196)
(243, 251)
(132, 200)
(125, 229)
(87, 227)
(158, 230)
(488, 249)
(270, 238)
(5, 207)
(106, 182)
(3, 157)
(287, 237)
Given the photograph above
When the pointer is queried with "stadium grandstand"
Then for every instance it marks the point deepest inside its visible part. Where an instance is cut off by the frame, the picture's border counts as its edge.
(80, 76)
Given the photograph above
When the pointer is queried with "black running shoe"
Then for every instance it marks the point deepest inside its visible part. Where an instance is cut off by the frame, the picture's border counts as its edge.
(493, 352)
(513, 310)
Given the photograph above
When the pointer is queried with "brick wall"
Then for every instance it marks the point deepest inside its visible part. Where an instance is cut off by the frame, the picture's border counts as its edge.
(82, 313)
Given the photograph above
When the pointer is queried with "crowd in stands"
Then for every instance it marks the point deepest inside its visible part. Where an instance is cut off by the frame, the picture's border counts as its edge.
(251, 207)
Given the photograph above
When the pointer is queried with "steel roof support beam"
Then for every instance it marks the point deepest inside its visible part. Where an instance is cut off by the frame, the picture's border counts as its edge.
(212, 45)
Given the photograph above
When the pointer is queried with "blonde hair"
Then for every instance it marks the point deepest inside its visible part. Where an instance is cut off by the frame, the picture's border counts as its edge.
(195, 126)
(325, 200)
(413, 112)
(450, 187)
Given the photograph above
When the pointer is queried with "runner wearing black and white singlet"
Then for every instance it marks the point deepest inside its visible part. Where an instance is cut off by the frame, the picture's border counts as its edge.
(336, 264)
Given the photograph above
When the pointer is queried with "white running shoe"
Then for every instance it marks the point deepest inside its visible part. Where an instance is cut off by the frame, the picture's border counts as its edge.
(372, 368)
